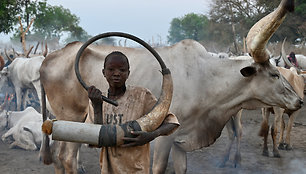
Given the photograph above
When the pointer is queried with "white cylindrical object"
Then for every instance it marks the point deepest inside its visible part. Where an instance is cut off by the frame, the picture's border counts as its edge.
(76, 132)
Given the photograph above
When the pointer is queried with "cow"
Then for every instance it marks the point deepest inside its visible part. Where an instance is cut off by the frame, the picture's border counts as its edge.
(24, 75)
(24, 129)
(200, 101)
(300, 58)
(234, 126)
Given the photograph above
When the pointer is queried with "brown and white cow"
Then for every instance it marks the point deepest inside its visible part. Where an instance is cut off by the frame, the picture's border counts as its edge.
(200, 101)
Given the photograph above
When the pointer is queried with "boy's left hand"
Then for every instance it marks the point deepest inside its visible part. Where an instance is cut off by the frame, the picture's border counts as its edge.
(141, 138)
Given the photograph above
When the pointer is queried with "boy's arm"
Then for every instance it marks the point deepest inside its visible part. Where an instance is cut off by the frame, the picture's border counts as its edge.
(95, 94)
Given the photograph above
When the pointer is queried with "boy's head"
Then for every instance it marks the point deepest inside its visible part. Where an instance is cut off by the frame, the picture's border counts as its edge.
(116, 69)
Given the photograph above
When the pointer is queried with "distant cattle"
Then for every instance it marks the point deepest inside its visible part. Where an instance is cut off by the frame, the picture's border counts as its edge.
(24, 129)
(23, 73)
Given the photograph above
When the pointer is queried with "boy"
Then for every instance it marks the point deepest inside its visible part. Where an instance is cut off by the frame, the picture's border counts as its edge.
(134, 102)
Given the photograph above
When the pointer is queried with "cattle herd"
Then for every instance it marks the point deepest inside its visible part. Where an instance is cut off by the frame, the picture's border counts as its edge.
(210, 91)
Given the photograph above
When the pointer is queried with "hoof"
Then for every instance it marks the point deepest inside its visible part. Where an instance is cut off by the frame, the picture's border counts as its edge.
(281, 146)
(288, 147)
(221, 164)
(276, 154)
(81, 170)
(237, 161)
(237, 165)
(265, 153)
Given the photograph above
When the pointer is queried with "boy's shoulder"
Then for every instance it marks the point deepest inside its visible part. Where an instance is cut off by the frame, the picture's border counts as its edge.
(137, 89)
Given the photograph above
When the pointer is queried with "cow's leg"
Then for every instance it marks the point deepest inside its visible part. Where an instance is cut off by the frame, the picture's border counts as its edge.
(56, 150)
(24, 144)
(25, 140)
(264, 130)
(179, 159)
(18, 98)
(230, 126)
(281, 143)
(45, 151)
(278, 114)
(37, 87)
(292, 117)
(162, 148)
(25, 98)
(238, 134)
(80, 167)
(68, 157)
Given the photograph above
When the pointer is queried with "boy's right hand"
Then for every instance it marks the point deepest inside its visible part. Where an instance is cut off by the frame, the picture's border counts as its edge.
(94, 94)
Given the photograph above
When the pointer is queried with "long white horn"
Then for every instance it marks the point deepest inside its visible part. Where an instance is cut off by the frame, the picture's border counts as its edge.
(262, 31)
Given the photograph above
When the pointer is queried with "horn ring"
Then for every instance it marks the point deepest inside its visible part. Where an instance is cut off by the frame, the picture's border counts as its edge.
(165, 70)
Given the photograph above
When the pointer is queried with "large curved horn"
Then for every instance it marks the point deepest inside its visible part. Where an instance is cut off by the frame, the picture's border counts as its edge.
(153, 120)
(287, 62)
(262, 31)
(1, 63)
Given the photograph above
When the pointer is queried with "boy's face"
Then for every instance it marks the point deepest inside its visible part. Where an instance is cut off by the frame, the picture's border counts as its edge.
(116, 71)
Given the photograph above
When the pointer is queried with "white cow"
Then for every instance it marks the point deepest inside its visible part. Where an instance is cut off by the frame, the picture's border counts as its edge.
(24, 129)
(200, 101)
(24, 74)
(234, 126)
(301, 59)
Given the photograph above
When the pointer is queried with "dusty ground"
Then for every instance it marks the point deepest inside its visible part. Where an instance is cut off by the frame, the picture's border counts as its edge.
(17, 161)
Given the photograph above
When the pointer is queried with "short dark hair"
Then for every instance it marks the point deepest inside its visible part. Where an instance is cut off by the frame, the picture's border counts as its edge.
(116, 53)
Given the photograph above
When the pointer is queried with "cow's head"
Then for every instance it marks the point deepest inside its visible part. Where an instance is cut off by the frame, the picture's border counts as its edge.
(279, 92)
(4, 76)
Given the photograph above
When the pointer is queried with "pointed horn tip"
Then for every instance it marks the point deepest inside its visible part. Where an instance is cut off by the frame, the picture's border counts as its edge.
(289, 5)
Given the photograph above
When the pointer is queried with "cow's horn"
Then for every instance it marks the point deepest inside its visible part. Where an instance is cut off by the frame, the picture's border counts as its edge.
(8, 57)
(36, 47)
(262, 31)
(153, 119)
(46, 50)
(1, 63)
(28, 53)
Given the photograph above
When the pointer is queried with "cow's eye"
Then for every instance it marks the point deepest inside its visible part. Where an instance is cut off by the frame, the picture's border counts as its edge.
(275, 76)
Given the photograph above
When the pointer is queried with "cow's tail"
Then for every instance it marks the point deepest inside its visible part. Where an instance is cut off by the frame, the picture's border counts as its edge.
(45, 151)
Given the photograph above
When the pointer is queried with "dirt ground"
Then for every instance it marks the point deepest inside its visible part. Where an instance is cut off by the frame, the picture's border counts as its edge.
(205, 160)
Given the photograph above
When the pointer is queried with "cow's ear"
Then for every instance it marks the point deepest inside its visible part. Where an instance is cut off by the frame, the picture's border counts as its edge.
(248, 71)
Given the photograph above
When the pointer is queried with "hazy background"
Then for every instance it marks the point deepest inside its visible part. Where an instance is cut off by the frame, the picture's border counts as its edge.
(144, 19)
